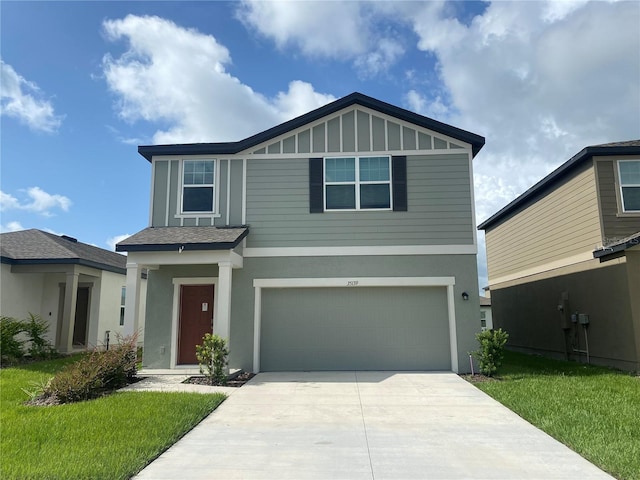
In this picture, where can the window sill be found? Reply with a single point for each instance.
(197, 215)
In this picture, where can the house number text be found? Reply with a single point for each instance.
(352, 283)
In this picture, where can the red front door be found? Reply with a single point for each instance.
(196, 319)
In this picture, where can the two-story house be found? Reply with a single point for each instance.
(564, 260)
(343, 239)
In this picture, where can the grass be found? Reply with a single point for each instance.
(111, 437)
(593, 410)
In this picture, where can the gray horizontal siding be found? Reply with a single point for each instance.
(439, 209)
(614, 225)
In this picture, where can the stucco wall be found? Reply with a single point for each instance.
(529, 313)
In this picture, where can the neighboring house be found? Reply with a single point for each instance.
(77, 288)
(571, 245)
(486, 320)
(340, 240)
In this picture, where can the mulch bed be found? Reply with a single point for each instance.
(235, 381)
(479, 378)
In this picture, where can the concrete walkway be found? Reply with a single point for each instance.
(366, 425)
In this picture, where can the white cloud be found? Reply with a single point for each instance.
(37, 201)
(316, 28)
(540, 80)
(177, 76)
(19, 99)
(11, 227)
(111, 242)
(343, 31)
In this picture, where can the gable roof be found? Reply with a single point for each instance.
(476, 141)
(630, 147)
(35, 247)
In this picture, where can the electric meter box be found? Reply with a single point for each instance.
(574, 318)
(583, 318)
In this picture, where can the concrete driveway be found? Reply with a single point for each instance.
(366, 425)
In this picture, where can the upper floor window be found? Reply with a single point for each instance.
(357, 183)
(629, 172)
(198, 185)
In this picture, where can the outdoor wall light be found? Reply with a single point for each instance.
(465, 296)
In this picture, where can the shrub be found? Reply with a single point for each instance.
(95, 373)
(491, 350)
(212, 357)
(11, 348)
(36, 330)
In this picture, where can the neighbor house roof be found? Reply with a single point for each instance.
(183, 238)
(485, 302)
(476, 141)
(35, 247)
(630, 147)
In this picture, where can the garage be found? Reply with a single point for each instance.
(362, 328)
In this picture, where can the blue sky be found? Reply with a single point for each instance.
(84, 83)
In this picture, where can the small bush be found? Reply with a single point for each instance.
(491, 350)
(11, 347)
(212, 357)
(36, 330)
(95, 373)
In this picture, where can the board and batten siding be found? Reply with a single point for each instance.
(563, 223)
(166, 195)
(439, 207)
(615, 226)
(356, 129)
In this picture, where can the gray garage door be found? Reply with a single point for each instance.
(372, 328)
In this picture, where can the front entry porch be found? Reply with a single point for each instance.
(189, 289)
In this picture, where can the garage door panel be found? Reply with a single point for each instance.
(373, 328)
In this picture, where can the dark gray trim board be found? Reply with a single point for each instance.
(63, 261)
(476, 141)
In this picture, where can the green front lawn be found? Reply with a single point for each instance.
(593, 410)
(111, 437)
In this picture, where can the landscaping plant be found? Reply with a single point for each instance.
(11, 347)
(491, 351)
(36, 329)
(95, 373)
(212, 357)
(14, 334)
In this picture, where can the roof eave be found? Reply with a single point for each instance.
(476, 141)
(555, 176)
(65, 261)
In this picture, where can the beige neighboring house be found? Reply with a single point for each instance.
(78, 288)
(564, 260)
(486, 320)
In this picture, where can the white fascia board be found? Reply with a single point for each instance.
(359, 251)
(354, 282)
(200, 257)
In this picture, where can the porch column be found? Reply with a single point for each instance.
(222, 323)
(132, 299)
(69, 312)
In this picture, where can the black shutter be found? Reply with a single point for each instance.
(316, 185)
(399, 172)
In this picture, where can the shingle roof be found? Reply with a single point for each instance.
(183, 238)
(476, 141)
(630, 147)
(33, 247)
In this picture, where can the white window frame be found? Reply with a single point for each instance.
(123, 301)
(216, 189)
(357, 183)
(620, 185)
